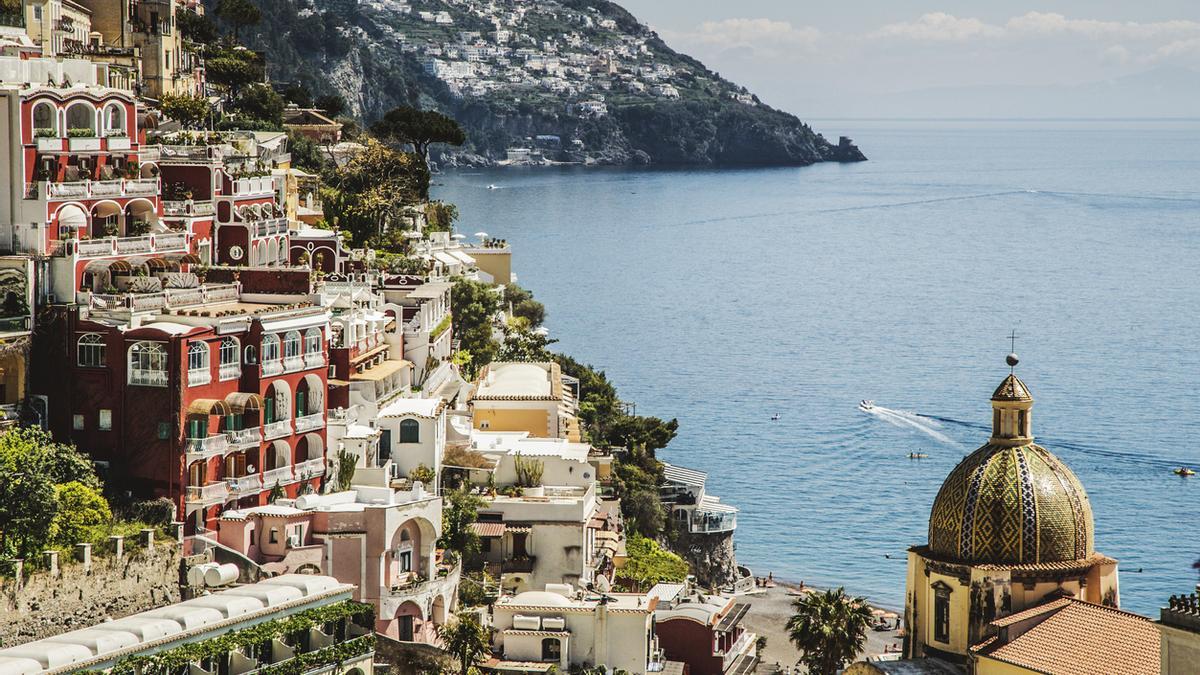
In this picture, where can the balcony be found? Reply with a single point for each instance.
(310, 422)
(310, 468)
(254, 187)
(314, 360)
(266, 228)
(280, 476)
(707, 523)
(83, 144)
(199, 376)
(246, 485)
(190, 154)
(199, 449)
(243, 438)
(277, 430)
(206, 495)
(188, 208)
(274, 367)
(151, 243)
(118, 143)
(89, 189)
(519, 565)
(146, 377)
(292, 364)
(229, 371)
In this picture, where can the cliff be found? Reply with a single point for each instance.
(571, 80)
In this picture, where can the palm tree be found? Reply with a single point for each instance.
(830, 629)
(465, 639)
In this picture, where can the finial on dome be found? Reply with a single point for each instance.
(1012, 360)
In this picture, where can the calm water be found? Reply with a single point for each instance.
(725, 297)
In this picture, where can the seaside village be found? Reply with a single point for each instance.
(336, 485)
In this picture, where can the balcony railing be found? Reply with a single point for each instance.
(524, 565)
(277, 429)
(245, 187)
(188, 208)
(736, 648)
(310, 468)
(172, 297)
(245, 485)
(85, 189)
(293, 363)
(190, 153)
(246, 437)
(310, 422)
(212, 493)
(281, 476)
(199, 376)
(713, 523)
(314, 360)
(147, 377)
(266, 228)
(203, 448)
(274, 367)
(229, 371)
(150, 243)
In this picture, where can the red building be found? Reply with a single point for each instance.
(704, 631)
(211, 401)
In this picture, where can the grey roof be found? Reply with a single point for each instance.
(678, 474)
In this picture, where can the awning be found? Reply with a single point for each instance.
(112, 265)
(240, 402)
(734, 617)
(381, 371)
(72, 216)
(462, 257)
(711, 504)
(488, 529)
(184, 258)
(208, 406)
(446, 259)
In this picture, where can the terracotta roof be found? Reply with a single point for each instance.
(1072, 637)
(488, 529)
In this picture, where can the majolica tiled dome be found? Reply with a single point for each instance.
(1011, 502)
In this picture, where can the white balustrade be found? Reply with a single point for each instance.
(310, 422)
(245, 437)
(206, 494)
(281, 475)
(277, 429)
(245, 485)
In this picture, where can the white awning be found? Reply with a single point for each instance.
(462, 257)
(713, 505)
(683, 476)
(446, 259)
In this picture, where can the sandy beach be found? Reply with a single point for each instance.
(770, 608)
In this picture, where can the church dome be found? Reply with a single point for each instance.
(1011, 502)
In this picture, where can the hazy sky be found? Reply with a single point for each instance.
(857, 57)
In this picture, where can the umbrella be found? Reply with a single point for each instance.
(481, 235)
(891, 615)
(878, 612)
(458, 236)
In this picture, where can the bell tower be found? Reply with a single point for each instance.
(1012, 410)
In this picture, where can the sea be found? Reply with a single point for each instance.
(760, 306)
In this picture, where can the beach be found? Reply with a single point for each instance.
(770, 608)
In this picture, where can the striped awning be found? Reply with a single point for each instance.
(682, 476)
(184, 258)
(240, 402)
(488, 529)
(208, 406)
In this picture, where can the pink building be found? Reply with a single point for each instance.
(381, 540)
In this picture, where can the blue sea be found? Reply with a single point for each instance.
(725, 297)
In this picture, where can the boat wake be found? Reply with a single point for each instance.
(909, 420)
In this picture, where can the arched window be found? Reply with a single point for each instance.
(114, 120)
(551, 649)
(148, 364)
(81, 120)
(941, 612)
(291, 350)
(410, 431)
(198, 368)
(270, 355)
(45, 120)
(230, 368)
(91, 353)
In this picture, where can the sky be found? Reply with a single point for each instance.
(969, 58)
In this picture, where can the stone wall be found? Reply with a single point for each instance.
(78, 594)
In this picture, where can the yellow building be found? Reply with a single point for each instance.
(531, 397)
(1011, 528)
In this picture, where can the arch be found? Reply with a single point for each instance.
(199, 364)
(81, 115)
(551, 649)
(140, 216)
(114, 120)
(310, 447)
(272, 252)
(292, 345)
(148, 170)
(410, 431)
(229, 358)
(148, 364)
(45, 119)
(438, 612)
(278, 402)
(271, 349)
(209, 406)
(106, 219)
(91, 351)
(72, 214)
(313, 400)
(278, 455)
(281, 255)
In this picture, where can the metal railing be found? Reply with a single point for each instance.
(190, 153)
(277, 429)
(272, 367)
(229, 371)
(310, 422)
(146, 377)
(188, 208)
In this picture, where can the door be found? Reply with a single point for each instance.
(406, 628)
(301, 401)
(268, 410)
(385, 446)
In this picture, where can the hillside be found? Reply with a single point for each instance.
(570, 80)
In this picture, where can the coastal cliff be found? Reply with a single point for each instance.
(566, 80)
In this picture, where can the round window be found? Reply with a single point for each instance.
(236, 252)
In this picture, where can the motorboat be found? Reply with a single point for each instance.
(1184, 471)
(775, 417)
(866, 404)
(917, 455)
(493, 186)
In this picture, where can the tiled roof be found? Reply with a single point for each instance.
(1076, 638)
(488, 529)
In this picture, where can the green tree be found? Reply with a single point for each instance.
(232, 69)
(82, 510)
(276, 493)
(347, 462)
(523, 306)
(418, 128)
(331, 104)
(297, 93)
(306, 154)
(190, 111)
(650, 433)
(238, 14)
(422, 474)
(197, 28)
(465, 639)
(829, 628)
(260, 102)
(650, 564)
(32, 464)
(460, 509)
(367, 194)
(524, 345)
(474, 306)
(643, 511)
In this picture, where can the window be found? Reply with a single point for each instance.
(485, 544)
(164, 431)
(148, 364)
(313, 353)
(81, 117)
(551, 649)
(291, 346)
(270, 355)
(941, 612)
(77, 422)
(228, 355)
(91, 352)
(105, 419)
(410, 431)
(274, 539)
(114, 120)
(45, 118)
(198, 370)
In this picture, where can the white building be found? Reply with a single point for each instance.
(413, 434)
